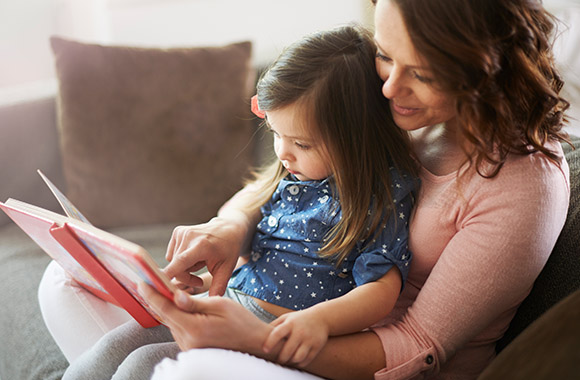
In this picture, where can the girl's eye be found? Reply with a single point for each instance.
(302, 146)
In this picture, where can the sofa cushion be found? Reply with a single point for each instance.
(548, 349)
(153, 135)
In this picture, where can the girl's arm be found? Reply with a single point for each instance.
(306, 331)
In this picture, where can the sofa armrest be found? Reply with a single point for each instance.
(29, 141)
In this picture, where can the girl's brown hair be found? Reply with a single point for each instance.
(332, 76)
(494, 57)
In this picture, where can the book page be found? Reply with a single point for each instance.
(66, 205)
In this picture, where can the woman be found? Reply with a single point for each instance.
(474, 82)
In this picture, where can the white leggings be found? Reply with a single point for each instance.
(77, 320)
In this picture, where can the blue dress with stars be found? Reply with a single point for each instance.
(284, 267)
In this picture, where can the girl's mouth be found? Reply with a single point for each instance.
(292, 171)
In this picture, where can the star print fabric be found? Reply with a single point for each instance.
(284, 266)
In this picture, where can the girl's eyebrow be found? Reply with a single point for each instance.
(298, 138)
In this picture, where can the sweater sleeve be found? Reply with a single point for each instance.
(503, 230)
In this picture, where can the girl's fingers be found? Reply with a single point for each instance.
(288, 350)
(276, 322)
(279, 333)
(301, 354)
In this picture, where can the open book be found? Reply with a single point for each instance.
(106, 265)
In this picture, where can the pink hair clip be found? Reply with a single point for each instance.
(256, 108)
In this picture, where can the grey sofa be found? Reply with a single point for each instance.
(32, 138)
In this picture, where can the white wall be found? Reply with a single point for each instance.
(271, 24)
(25, 26)
(26, 64)
(24, 51)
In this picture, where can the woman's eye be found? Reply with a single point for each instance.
(382, 57)
(421, 78)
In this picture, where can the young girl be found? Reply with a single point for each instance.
(332, 241)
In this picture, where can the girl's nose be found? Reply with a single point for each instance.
(283, 151)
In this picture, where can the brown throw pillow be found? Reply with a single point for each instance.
(153, 135)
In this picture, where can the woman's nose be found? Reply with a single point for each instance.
(394, 82)
(392, 85)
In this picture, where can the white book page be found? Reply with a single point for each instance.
(66, 205)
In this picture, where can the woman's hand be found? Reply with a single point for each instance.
(215, 244)
(303, 335)
(209, 322)
(222, 323)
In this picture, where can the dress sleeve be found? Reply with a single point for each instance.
(505, 232)
(390, 246)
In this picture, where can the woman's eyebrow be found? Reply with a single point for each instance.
(377, 45)
(413, 67)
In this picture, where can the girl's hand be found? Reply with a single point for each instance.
(305, 334)
(215, 244)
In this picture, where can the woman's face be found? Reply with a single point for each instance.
(408, 84)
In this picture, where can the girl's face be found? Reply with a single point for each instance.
(408, 84)
(300, 153)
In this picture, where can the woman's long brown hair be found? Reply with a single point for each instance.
(494, 57)
(332, 76)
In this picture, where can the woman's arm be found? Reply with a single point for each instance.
(303, 333)
(216, 244)
(488, 240)
(223, 323)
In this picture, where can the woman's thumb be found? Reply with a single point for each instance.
(184, 301)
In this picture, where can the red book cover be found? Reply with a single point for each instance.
(108, 266)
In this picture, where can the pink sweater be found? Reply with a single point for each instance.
(478, 247)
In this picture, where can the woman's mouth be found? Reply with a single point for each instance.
(403, 111)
